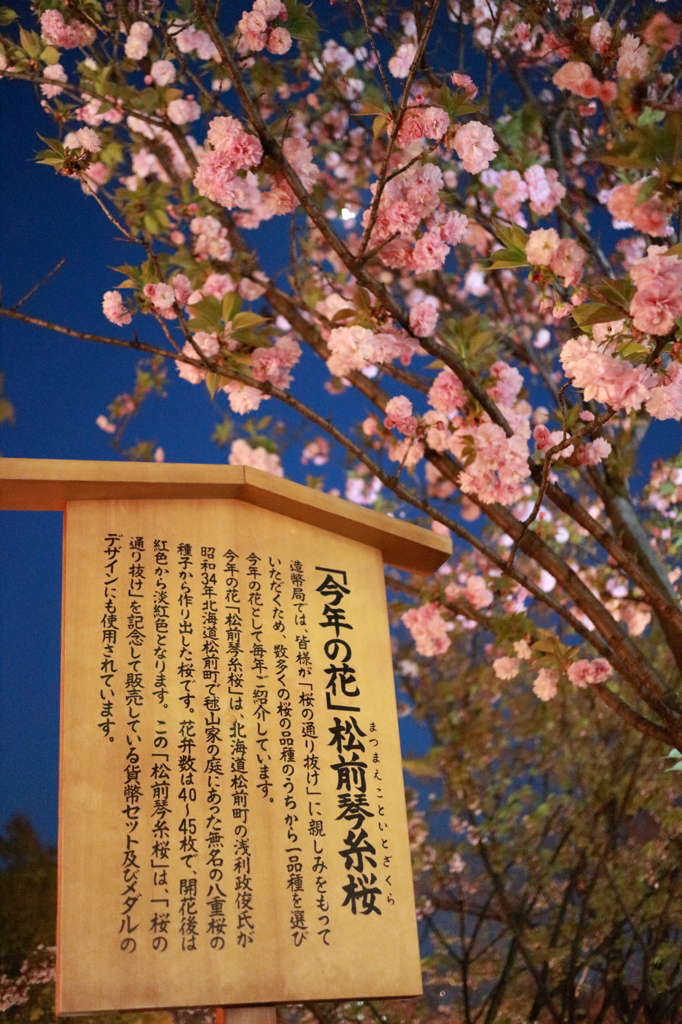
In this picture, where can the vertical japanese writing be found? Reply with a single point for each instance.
(287, 756)
(260, 692)
(382, 824)
(160, 612)
(160, 766)
(132, 788)
(160, 860)
(110, 627)
(187, 756)
(342, 693)
(239, 786)
(215, 836)
(311, 760)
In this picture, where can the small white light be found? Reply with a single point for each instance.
(347, 214)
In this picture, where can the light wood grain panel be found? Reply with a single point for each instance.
(333, 813)
(49, 483)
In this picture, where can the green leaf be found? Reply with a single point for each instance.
(650, 116)
(231, 304)
(50, 55)
(151, 224)
(30, 42)
(7, 16)
(589, 313)
(301, 24)
(503, 258)
(673, 753)
(247, 319)
(633, 348)
(213, 382)
(379, 126)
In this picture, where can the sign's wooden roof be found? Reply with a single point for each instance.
(44, 484)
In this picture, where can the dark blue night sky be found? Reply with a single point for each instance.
(59, 386)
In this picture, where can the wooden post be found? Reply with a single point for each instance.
(245, 1015)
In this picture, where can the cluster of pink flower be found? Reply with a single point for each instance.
(139, 38)
(69, 34)
(563, 256)
(316, 451)
(422, 122)
(584, 673)
(428, 628)
(39, 969)
(577, 78)
(657, 303)
(233, 150)
(114, 310)
(649, 217)
(257, 35)
(242, 454)
(475, 145)
(210, 239)
(604, 377)
(357, 348)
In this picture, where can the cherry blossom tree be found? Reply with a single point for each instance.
(483, 204)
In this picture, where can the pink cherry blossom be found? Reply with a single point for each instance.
(601, 35)
(567, 261)
(508, 383)
(253, 26)
(545, 191)
(657, 303)
(545, 685)
(352, 348)
(583, 672)
(506, 668)
(278, 40)
(541, 246)
(499, 467)
(428, 628)
(662, 33)
(270, 9)
(106, 425)
(182, 111)
(577, 78)
(464, 82)
(208, 345)
(240, 149)
(299, 155)
(665, 400)
(243, 398)
(137, 43)
(56, 73)
(633, 58)
(475, 145)
(430, 252)
(162, 72)
(454, 227)
(273, 364)
(423, 319)
(83, 138)
(400, 63)
(422, 122)
(447, 395)
(316, 451)
(242, 454)
(591, 453)
(399, 415)
(477, 592)
(114, 310)
(68, 35)
(511, 192)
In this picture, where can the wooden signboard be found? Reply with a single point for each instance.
(232, 816)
